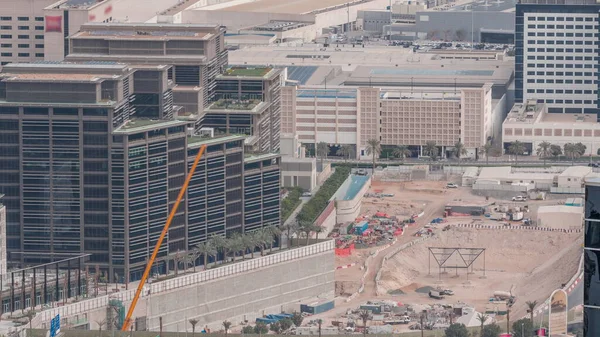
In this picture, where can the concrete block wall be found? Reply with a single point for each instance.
(244, 296)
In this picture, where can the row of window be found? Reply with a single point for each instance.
(21, 27)
(560, 34)
(578, 27)
(558, 50)
(559, 65)
(22, 37)
(561, 91)
(561, 18)
(20, 45)
(22, 18)
(21, 54)
(561, 58)
(570, 42)
(560, 101)
(560, 81)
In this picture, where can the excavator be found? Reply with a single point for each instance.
(127, 321)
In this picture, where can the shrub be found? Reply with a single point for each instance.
(313, 208)
(289, 204)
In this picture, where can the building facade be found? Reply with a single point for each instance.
(354, 116)
(531, 124)
(82, 174)
(556, 54)
(591, 291)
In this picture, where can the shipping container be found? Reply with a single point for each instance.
(361, 227)
(375, 309)
(317, 308)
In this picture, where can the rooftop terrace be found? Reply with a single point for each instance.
(197, 141)
(233, 105)
(143, 124)
(247, 71)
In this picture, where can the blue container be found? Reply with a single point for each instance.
(316, 309)
(361, 227)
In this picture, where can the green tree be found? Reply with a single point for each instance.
(555, 151)
(516, 148)
(530, 309)
(297, 318)
(482, 318)
(373, 149)
(322, 151)
(290, 229)
(580, 148)
(260, 240)
(346, 151)
(286, 323)
(486, 151)
(491, 330)
(431, 150)
(307, 228)
(401, 151)
(275, 327)
(219, 243)
(191, 258)
(236, 245)
(459, 150)
(317, 230)
(571, 150)
(273, 232)
(365, 316)
(544, 151)
(457, 330)
(193, 322)
(248, 330)
(248, 243)
(522, 327)
(226, 326)
(261, 328)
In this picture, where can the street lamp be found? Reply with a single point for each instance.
(522, 331)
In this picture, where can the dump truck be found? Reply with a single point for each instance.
(436, 295)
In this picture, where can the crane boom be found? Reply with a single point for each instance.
(127, 321)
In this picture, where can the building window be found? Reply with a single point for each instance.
(39, 54)
(39, 46)
(5, 36)
(23, 54)
(23, 45)
(39, 37)
(23, 18)
(6, 45)
(39, 27)
(5, 18)
(24, 37)
(5, 27)
(23, 27)
(6, 54)
(39, 18)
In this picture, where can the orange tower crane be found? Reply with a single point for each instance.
(127, 321)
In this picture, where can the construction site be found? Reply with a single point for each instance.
(459, 253)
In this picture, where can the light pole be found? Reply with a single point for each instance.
(522, 330)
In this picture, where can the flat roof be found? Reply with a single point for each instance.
(92, 78)
(137, 125)
(576, 171)
(247, 71)
(154, 35)
(560, 209)
(589, 118)
(278, 6)
(250, 157)
(197, 141)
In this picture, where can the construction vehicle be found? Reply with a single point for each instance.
(436, 295)
(127, 321)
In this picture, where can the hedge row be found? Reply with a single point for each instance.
(315, 206)
(289, 204)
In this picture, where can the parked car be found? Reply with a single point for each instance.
(451, 185)
(361, 172)
(447, 292)
(307, 194)
(519, 198)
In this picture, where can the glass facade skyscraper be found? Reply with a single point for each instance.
(591, 295)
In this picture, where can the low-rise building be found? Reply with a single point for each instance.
(296, 169)
(560, 217)
(531, 124)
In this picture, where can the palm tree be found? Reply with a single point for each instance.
(459, 150)
(100, 324)
(206, 249)
(486, 150)
(236, 245)
(572, 151)
(530, 308)
(346, 151)
(322, 151)
(249, 244)
(226, 325)
(276, 232)
(192, 257)
(373, 149)
(401, 151)
(290, 229)
(218, 242)
(516, 148)
(30, 315)
(544, 151)
(482, 318)
(364, 316)
(307, 228)
(259, 241)
(317, 230)
(271, 231)
(430, 149)
(193, 322)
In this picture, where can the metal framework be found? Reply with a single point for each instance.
(127, 321)
(51, 277)
(464, 258)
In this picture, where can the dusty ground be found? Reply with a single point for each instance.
(515, 260)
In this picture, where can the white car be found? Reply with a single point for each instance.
(519, 198)
(451, 185)
(307, 194)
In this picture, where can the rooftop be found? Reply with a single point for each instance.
(197, 141)
(249, 157)
(56, 77)
(278, 6)
(560, 209)
(527, 112)
(233, 105)
(78, 4)
(247, 71)
(143, 124)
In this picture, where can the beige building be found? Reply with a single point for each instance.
(353, 116)
(531, 124)
(22, 30)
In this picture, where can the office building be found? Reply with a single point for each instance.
(340, 116)
(83, 174)
(556, 54)
(195, 52)
(531, 124)
(247, 101)
(3, 264)
(22, 30)
(591, 291)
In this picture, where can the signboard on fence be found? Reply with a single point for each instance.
(558, 314)
(55, 326)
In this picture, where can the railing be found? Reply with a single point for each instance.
(187, 280)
